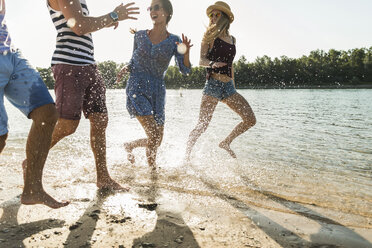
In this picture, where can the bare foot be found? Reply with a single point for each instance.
(130, 155)
(111, 185)
(226, 147)
(41, 197)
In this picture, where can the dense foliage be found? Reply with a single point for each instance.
(330, 69)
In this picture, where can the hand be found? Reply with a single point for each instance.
(124, 12)
(218, 64)
(115, 25)
(122, 73)
(187, 42)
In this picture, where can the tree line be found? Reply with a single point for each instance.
(352, 68)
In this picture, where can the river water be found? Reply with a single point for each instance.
(311, 149)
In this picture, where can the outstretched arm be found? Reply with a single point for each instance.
(203, 55)
(81, 24)
(232, 74)
(2, 7)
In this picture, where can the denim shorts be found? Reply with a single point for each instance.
(22, 86)
(219, 89)
(78, 89)
(146, 96)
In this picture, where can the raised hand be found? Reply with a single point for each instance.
(218, 64)
(187, 42)
(125, 11)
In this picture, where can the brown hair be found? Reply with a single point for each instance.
(167, 6)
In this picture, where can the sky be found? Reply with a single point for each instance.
(262, 27)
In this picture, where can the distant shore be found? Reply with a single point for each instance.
(320, 86)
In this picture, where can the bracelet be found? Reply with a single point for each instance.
(211, 63)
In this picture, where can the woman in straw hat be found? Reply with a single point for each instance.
(217, 54)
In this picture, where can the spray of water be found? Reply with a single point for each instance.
(71, 22)
(181, 48)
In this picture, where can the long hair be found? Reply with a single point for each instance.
(167, 6)
(214, 30)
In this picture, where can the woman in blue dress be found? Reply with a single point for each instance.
(152, 52)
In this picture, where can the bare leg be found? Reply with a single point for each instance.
(3, 142)
(129, 146)
(207, 107)
(63, 128)
(239, 105)
(154, 133)
(98, 125)
(37, 148)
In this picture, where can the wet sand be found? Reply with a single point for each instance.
(160, 211)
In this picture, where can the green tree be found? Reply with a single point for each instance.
(47, 76)
(109, 70)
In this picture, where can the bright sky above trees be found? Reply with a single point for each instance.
(261, 27)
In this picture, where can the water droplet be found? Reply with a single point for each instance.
(181, 48)
(71, 22)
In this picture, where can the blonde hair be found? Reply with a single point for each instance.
(214, 30)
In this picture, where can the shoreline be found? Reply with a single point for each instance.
(301, 87)
(345, 86)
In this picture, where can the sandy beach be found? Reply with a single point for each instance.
(159, 213)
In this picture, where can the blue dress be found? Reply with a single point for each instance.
(148, 65)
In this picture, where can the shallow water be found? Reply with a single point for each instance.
(310, 151)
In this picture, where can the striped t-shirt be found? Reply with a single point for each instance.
(5, 41)
(71, 48)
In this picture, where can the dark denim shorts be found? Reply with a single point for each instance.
(218, 89)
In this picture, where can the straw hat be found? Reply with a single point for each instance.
(223, 7)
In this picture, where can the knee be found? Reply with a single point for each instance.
(46, 115)
(51, 117)
(155, 140)
(100, 121)
(3, 142)
(202, 127)
(250, 120)
(253, 121)
(67, 130)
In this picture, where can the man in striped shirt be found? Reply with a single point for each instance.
(24, 88)
(79, 86)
